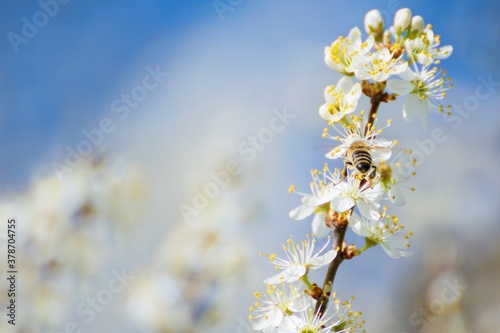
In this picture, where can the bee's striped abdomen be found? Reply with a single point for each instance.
(362, 159)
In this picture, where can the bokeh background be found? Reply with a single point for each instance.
(103, 245)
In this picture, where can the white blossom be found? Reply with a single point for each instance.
(425, 48)
(356, 132)
(424, 87)
(338, 317)
(378, 66)
(350, 193)
(308, 321)
(341, 100)
(339, 55)
(276, 307)
(402, 20)
(417, 25)
(384, 231)
(300, 258)
(374, 23)
(317, 202)
(394, 174)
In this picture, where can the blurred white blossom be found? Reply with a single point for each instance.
(65, 232)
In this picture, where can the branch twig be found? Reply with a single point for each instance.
(338, 240)
(339, 226)
(375, 103)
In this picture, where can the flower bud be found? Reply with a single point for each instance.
(402, 20)
(374, 23)
(350, 252)
(417, 26)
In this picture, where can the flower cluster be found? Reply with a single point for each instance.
(408, 49)
(190, 282)
(401, 60)
(283, 308)
(66, 233)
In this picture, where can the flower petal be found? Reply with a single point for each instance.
(342, 203)
(396, 196)
(318, 200)
(319, 227)
(301, 212)
(444, 52)
(345, 84)
(272, 318)
(412, 107)
(290, 274)
(369, 209)
(394, 250)
(323, 260)
(400, 87)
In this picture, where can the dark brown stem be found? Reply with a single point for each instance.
(340, 227)
(375, 103)
(338, 240)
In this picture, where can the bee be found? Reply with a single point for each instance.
(359, 157)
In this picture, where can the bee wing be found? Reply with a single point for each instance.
(336, 152)
(381, 154)
(381, 149)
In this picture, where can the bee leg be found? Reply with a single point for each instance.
(372, 175)
(344, 171)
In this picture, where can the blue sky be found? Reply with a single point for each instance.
(225, 76)
(60, 79)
